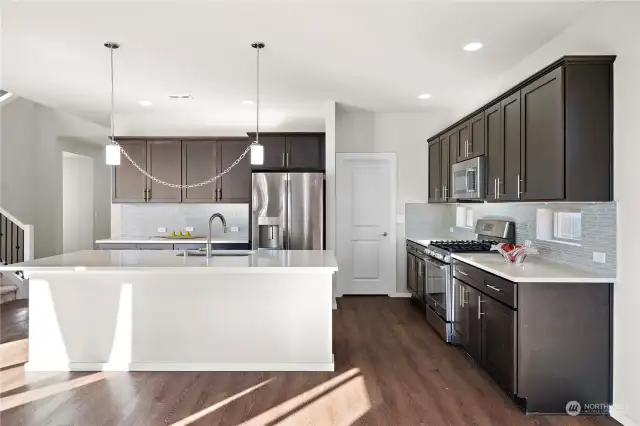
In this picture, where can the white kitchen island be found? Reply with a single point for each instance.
(156, 311)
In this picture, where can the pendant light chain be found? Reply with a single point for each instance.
(155, 179)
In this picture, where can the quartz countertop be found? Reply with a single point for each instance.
(534, 269)
(426, 242)
(261, 261)
(164, 240)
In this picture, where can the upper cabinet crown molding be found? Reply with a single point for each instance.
(549, 138)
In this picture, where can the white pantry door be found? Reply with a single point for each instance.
(365, 223)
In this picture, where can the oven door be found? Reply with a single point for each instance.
(437, 292)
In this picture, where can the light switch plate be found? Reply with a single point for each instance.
(162, 230)
(189, 229)
(235, 229)
(599, 257)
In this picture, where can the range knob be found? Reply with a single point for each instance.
(447, 259)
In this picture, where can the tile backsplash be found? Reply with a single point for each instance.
(598, 228)
(145, 219)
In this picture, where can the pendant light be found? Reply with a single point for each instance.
(257, 150)
(113, 149)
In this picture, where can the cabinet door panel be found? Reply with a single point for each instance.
(474, 333)
(498, 342)
(510, 117)
(305, 152)
(434, 171)
(462, 137)
(411, 273)
(495, 152)
(275, 149)
(234, 186)
(129, 185)
(445, 165)
(477, 134)
(199, 164)
(461, 313)
(542, 171)
(164, 161)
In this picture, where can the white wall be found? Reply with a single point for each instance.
(404, 133)
(611, 29)
(32, 140)
(77, 203)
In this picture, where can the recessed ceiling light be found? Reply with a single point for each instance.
(473, 46)
(248, 102)
(424, 96)
(184, 96)
(145, 103)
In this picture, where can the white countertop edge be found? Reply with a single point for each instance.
(585, 279)
(210, 270)
(198, 240)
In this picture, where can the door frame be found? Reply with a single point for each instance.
(392, 159)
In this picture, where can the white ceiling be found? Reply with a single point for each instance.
(370, 55)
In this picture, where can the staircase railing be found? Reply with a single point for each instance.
(16, 239)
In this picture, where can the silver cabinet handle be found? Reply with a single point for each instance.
(442, 197)
(498, 188)
(466, 148)
(446, 191)
(463, 273)
(284, 159)
(480, 313)
(519, 187)
(494, 288)
(495, 189)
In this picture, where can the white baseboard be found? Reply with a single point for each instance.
(620, 418)
(177, 366)
(400, 294)
(335, 304)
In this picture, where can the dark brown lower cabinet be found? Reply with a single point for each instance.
(544, 343)
(498, 327)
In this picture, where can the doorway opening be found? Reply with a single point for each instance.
(77, 202)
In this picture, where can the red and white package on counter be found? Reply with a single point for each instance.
(514, 254)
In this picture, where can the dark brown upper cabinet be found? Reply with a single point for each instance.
(462, 138)
(128, 184)
(494, 150)
(510, 119)
(199, 163)
(445, 165)
(164, 161)
(476, 144)
(434, 172)
(305, 152)
(550, 138)
(234, 186)
(291, 151)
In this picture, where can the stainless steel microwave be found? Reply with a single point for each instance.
(468, 179)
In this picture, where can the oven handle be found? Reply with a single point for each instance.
(433, 263)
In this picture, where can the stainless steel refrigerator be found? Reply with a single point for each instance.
(287, 211)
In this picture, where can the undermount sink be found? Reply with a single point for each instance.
(216, 253)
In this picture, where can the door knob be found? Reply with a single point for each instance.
(384, 234)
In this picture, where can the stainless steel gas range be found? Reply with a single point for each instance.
(429, 271)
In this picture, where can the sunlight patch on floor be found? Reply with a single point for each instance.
(337, 402)
(26, 397)
(200, 414)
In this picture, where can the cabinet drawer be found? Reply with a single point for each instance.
(500, 289)
(470, 275)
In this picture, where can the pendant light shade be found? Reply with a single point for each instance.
(113, 155)
(257, 154)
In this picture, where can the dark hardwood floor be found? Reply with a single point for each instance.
(391, 370)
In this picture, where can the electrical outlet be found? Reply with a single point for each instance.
(599, 257)
(528, 243)
(162, 230)
(189, 229)
(235, 229)
(451, 229)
